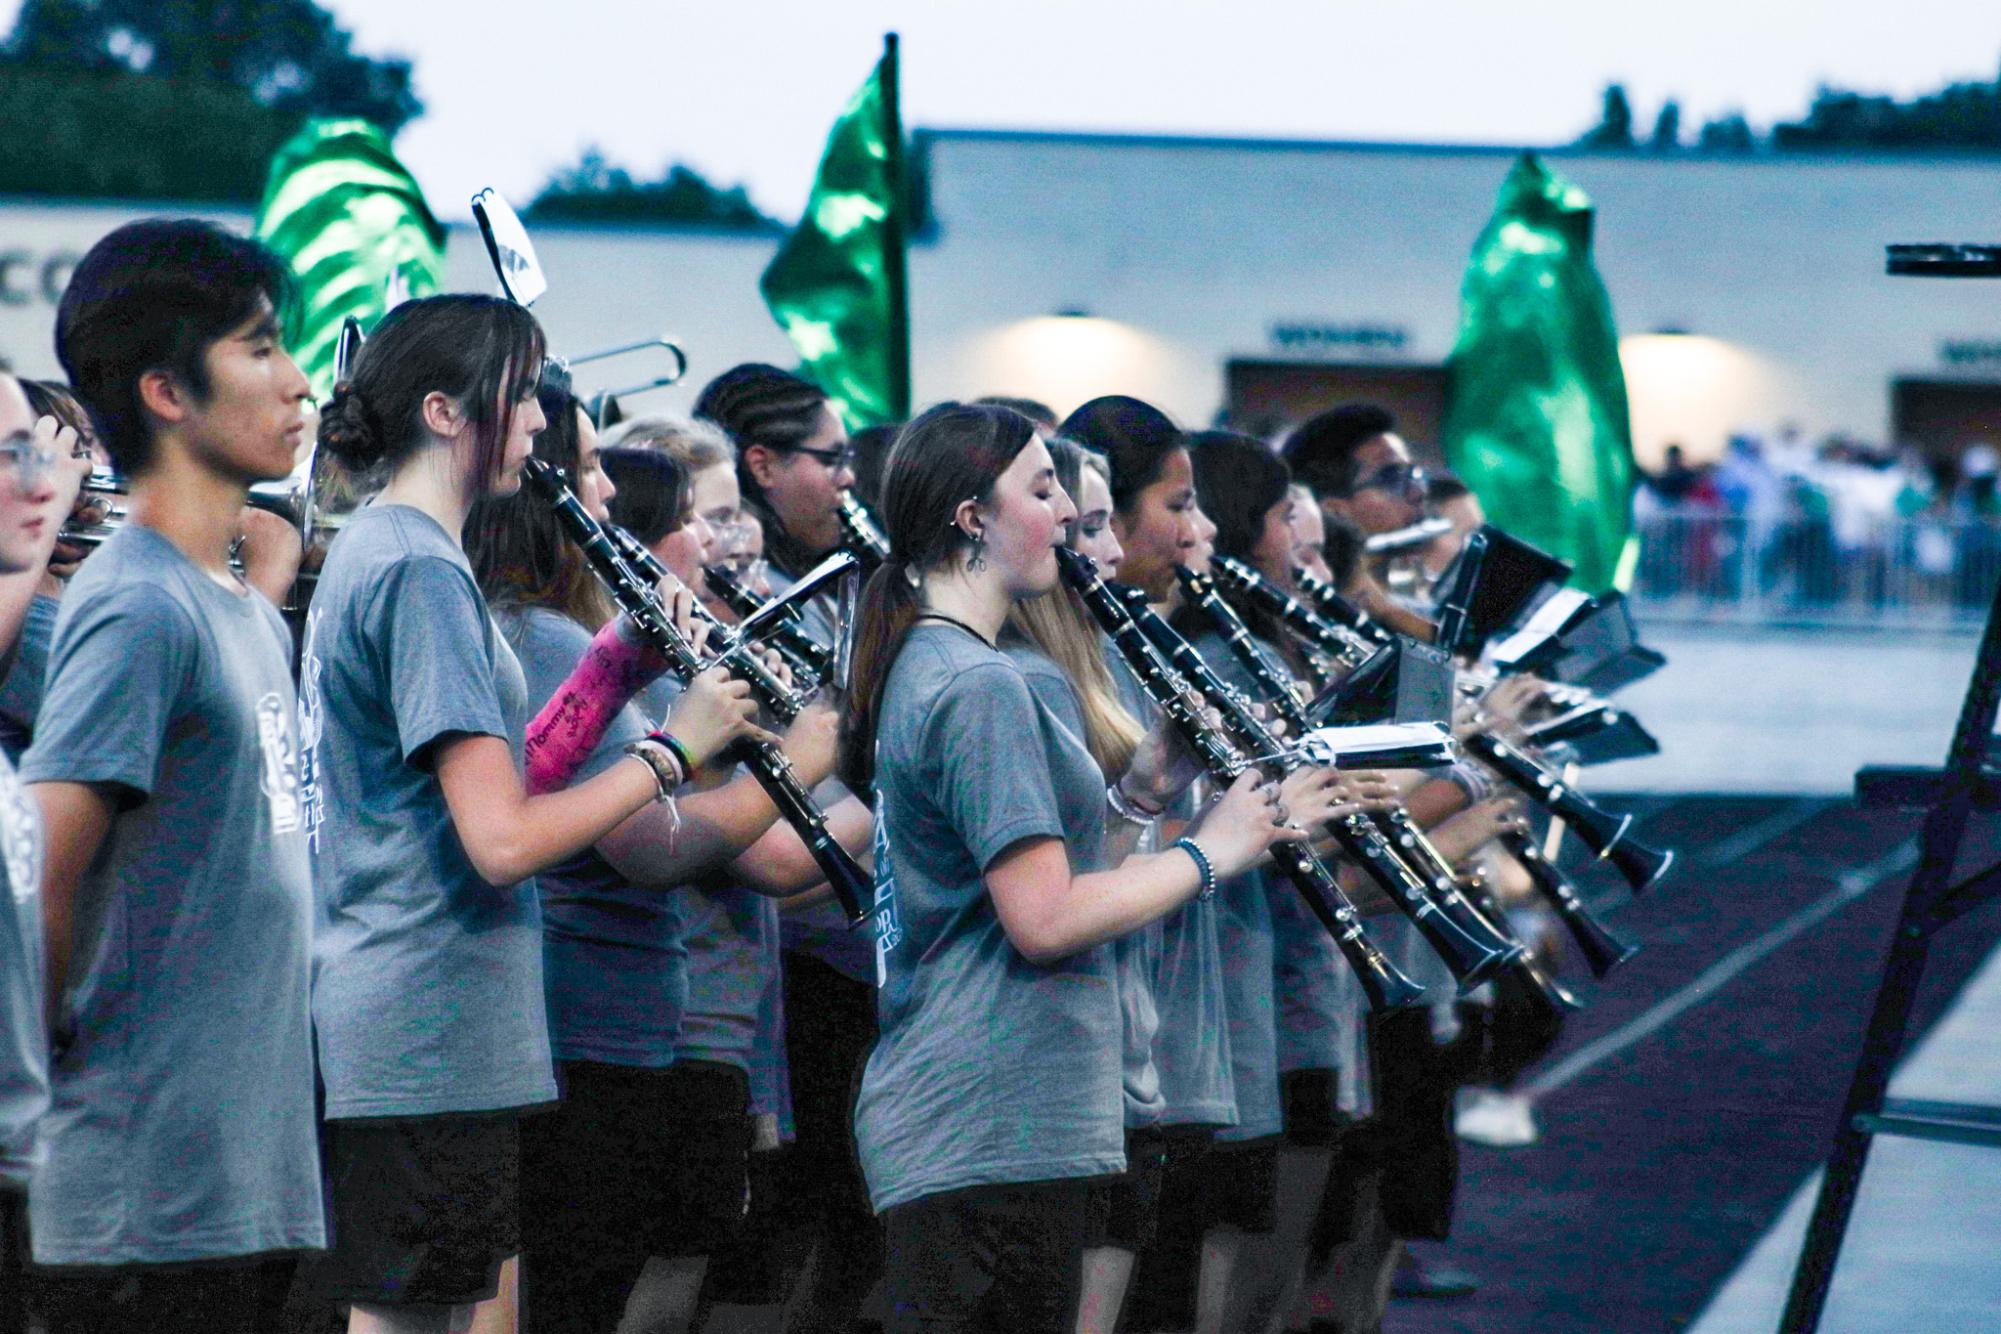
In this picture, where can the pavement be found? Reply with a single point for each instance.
(1686, 1111)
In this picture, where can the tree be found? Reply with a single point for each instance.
(1667, 128)
(1728, 133)
(1614, 129)
(596, 190)
(1960, 115)
(288, 55)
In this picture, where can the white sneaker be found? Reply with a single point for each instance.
(1496, 1119)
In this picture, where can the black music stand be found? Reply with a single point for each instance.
(1970, 781)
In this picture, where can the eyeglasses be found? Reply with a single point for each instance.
(1396, 478)
(29, 464)
(833, 460)
(732, 537)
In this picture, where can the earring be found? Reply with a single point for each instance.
(978, 561)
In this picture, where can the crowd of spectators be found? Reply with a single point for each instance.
(1786, 520)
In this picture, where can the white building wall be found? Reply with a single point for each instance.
(1186, 253)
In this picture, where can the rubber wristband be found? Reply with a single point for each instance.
(679, 751)
(1202, 865)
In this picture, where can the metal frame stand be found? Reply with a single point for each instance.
(1969, 781)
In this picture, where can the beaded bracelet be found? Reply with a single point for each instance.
(661, 764)
(1202, 865)
(680, 752)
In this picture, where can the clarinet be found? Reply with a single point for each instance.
(1331, 605)
(1460, 935)
(1603, 831)
(1342, 645)
(1386, 987)
(1529, 970)
(806, 654)
(851, 884)
(783, 702)
(1602, 950)
(860, 535)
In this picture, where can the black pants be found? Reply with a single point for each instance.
(633, 1163)
(1008, 1259)
(1411, 1135)
(13, 1260)
(231, 1297)
(829, 1028)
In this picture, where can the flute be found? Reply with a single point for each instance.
(1385, 986)
(852, 885)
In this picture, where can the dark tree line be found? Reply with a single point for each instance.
(595, 190)
(1964, 116)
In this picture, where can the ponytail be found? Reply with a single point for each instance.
(951, 453)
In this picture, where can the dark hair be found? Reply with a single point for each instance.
(1136, 438)
(763, 405)
(1034, 409)
(1239, 479)
(483, 351)
(1322, 448)
(948, 454)
(1343, 549)
(47, 398)
(518, 550)
(652, 491)
(156, 296)
(871, 445)
(1440, 487)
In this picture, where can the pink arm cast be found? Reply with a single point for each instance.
(613, 669)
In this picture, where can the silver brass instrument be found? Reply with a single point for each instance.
(601, 404)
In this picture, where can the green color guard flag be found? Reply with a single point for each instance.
(355, 229)
(837, 286)
(1536, 420)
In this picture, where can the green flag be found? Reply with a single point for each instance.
(1536, 419)
(837, 285)
(354, 227)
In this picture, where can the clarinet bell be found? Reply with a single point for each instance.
(1643, 867)
(1603, 831)
(1547, 986)
(1385, 985)
(1602, 950)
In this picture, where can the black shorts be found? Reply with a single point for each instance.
(634, 1162)
(235, 1296)
(1313, 1116)
(424, 1209)
(1001, 1257)
(1125, 1209)
(1235, 1184)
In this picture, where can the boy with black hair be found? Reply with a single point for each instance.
(183, 1169)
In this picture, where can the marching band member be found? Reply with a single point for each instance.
(428, 989)
(167, 765)
(992, 1098)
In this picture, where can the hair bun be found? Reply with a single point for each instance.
(351, 431)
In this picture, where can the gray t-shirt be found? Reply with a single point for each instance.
(1134, 954)
(27, 675)
(24, 1036)
(427, 981)
(1191, 1046)
(732, 962)
(989, 1068)
(614, 965)
(1245, 933)
(181, 1123)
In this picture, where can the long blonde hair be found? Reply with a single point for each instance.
(1057, 624)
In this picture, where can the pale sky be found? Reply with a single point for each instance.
(746, 91)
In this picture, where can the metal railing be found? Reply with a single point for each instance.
(1907, 572)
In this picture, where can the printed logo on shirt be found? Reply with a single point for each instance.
(281, 765)
(888, 926)
(312, 807)
(20, 836)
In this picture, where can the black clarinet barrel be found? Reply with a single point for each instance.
(1602, 950)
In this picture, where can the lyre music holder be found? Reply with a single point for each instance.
(1969, 781)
